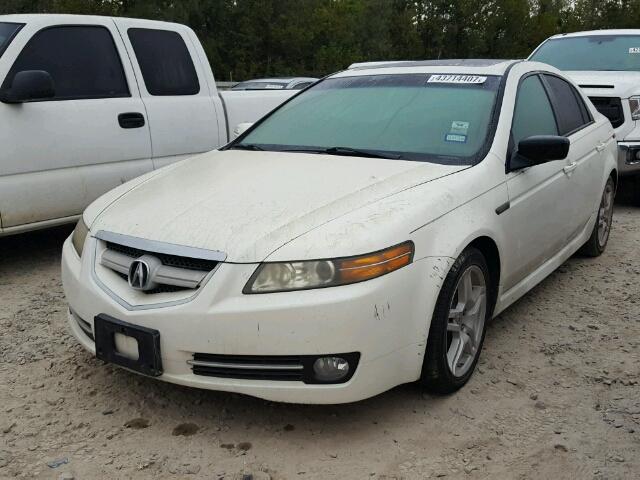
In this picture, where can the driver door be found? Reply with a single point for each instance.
(538, 219)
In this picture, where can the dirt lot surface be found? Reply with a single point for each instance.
(556, 395)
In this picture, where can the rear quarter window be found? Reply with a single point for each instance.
(165, 62)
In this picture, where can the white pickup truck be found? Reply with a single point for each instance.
(88, 103)
(606, 65)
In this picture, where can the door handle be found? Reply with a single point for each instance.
(131, 120)
(570, 168)
(601, 146)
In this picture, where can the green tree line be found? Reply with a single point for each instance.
(256, 38)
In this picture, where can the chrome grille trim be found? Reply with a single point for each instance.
(244, 366)
(153, 246)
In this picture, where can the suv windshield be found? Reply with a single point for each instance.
(7, 31)
(439, 118)
(597, 52)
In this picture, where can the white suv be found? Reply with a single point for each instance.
(606, 65)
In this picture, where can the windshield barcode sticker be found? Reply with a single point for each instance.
(454, 138)
(634, 50)
(472, 79)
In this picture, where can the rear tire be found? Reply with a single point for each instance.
(599, 238)
(458, 325)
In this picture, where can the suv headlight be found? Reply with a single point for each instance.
(634, 105)
(79, 236)
(289, 276)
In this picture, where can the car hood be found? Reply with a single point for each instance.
(248, 204)
(607, 84)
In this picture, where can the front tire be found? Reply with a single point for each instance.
(599, 238)
(458, 325)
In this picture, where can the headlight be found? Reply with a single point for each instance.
(288, 276)
(79, 236)
(634, 105)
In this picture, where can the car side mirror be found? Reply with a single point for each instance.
(539, 149)
(241, 128)
(29, 85)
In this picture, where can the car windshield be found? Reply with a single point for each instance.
(596, 52)
(7, 31)
(439, 118)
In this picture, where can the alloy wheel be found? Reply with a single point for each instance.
(466, 320)
(605, 214)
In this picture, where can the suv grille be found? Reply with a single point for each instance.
(610, 107)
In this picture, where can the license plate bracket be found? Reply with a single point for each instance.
(148, 362)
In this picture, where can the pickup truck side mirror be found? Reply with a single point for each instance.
(539, 149)
(29, 85)
(241, 128)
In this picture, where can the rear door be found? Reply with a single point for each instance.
(60, 154)
(585, 167)
(541, 209)
(176, 89)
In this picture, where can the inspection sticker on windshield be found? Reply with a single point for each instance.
(634, 50)
(459, 128)
(472, 79)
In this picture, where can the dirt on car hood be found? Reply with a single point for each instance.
(247, 204)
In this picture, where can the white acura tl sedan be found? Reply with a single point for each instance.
(358, 237)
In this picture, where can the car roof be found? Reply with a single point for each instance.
(591, 33)
(455, 66)
(65, 18)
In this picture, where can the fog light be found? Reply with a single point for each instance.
(330, 369)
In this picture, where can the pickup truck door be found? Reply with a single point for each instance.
(185, 112)
(59, 154)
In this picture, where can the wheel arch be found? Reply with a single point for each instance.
(489, 249)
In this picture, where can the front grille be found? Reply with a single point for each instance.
(165, 272)
(295, 368)
(610, 107)
(168, 260)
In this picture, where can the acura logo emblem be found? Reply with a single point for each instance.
(139, 275)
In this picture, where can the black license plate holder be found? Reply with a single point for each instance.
(148, 362)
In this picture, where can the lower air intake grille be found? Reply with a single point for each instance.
(610, 107)
(295, 368)
(248, 367)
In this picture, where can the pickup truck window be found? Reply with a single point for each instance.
(422, 117)
(82, 60)
(594, 52)
(165, 62)
(7, 32)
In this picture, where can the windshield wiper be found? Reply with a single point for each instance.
(346, 151)
(247, 146)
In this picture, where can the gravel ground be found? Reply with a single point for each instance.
(556, 395)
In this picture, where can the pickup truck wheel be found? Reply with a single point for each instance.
(458, 325)
(597, 243)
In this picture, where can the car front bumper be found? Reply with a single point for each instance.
(385, 320)
(628, 164)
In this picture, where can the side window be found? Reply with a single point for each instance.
(533, 113)
(82, 60)
(572, 112)
(165, 62)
